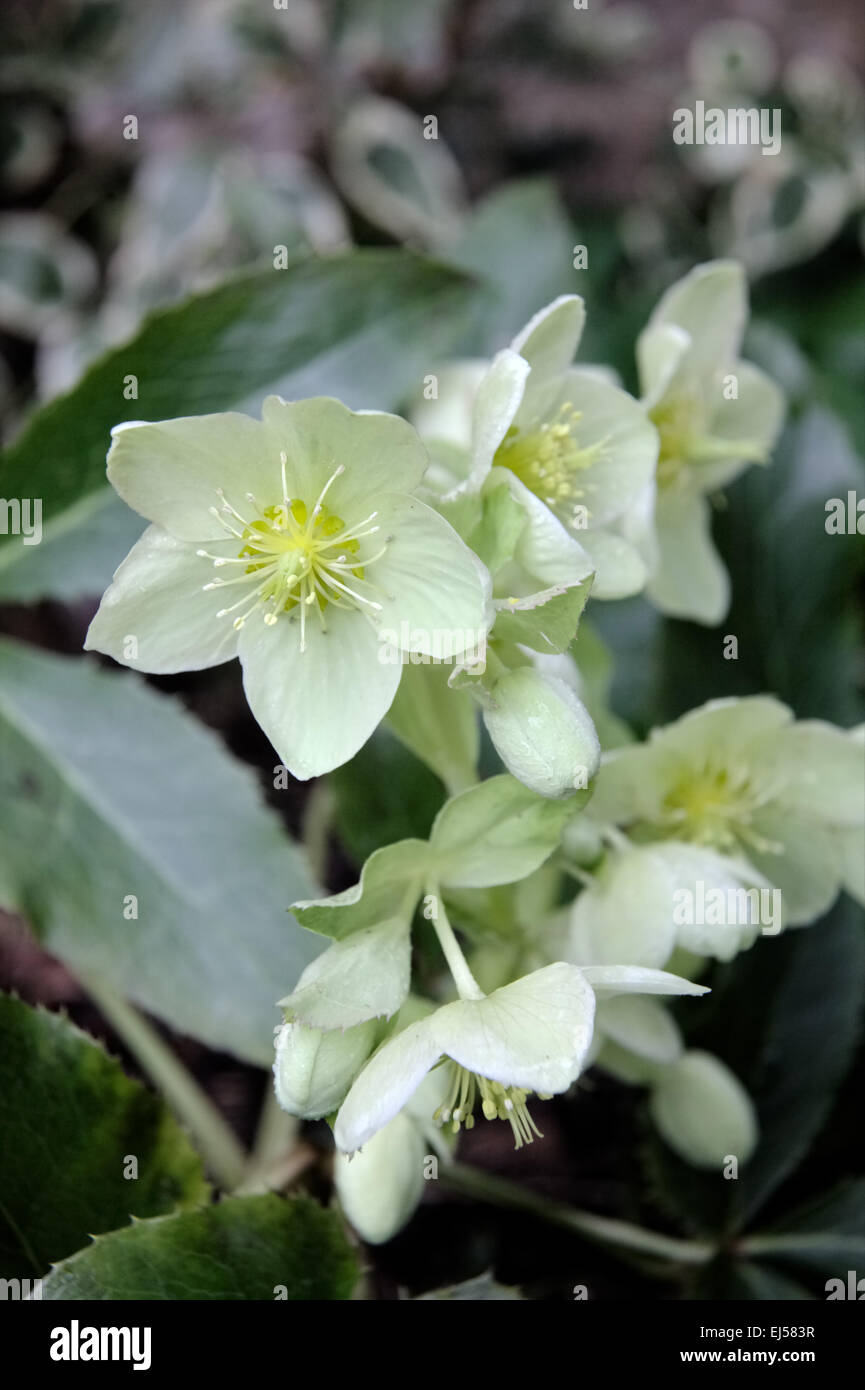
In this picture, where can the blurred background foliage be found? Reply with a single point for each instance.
(300, 127)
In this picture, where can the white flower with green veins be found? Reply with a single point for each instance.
(573, 452)
(295, 544)
(739, 777)
(529, 1037)
(715, 415)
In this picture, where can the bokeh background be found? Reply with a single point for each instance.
(303, 127)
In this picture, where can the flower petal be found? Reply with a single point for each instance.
(609, 980)
(387, 1081)
(754, 416)
(711, 304)
(626, 440)
(534, 1033)
(640, 1025)
(550, 339)
(448, 417)
(435, 595)
(379, 452)
(620, 569)
(821, 769)
(317, 706)
(691, 580)
(661, 349)
(807, 870)
(545, 549)
(157, 596)
(497, 402)
(627, 913)
(170, 470)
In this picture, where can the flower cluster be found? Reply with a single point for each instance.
(434, 574)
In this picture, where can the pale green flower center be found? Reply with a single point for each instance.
(680, 422)
(715, 806)
(549, 460)
(294, 559)
(498, 1102)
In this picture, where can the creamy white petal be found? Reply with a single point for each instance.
(156, 615)
(170, 470)
(317, 706)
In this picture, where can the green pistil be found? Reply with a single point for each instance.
(679, 422)
(714, 808)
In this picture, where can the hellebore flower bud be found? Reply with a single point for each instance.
(703, 1111)
(314, 1069)
(542, 732)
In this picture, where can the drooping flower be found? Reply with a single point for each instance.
(292, 542)
(740, 778)
(715, 415)
(380, 1186)
(529, 1037)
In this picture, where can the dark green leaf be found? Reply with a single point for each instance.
(813, 1023)
(84, 1147)
(827, 1235)
(261, 1248)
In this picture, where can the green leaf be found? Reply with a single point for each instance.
(828, 1235)
(361, 326)
(814, 1022)
(546, 621)
(246, 1248)
(72, 1122)
(438, 724)
(743, 1280)
(134, 806)
(497, 832)
(389, 887)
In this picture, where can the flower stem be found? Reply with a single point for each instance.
(486, 1187)
(275, 1140)
(467, 985)
(221, 1150)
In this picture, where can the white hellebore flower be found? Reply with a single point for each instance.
(292, 543)
(530, 1036)
(714, 414)
(575, 452)
(739, 777)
